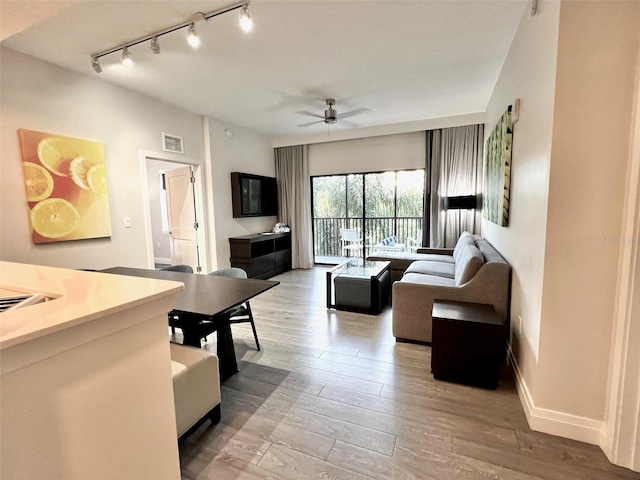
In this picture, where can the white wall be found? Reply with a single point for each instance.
(373, 154)
(589, 164)
(573, 67)
(39, 96)
(528, 73)
(248, 152)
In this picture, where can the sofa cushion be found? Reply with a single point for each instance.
(432, 268)
(401, 260)
(427, 279)
(465, 240)
(469, 263)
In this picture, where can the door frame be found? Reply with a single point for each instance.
(620, 438)
(200, 194)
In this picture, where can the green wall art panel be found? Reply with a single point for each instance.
(497, 172)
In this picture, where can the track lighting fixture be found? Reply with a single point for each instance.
(126, 57)
(155, 46)
(246, 23)
(192, 36)
(95, 63)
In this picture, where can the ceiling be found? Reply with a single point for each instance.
(403, 61)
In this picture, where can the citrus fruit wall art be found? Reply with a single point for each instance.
(66, 187)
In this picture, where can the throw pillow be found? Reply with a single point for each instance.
(389, 240)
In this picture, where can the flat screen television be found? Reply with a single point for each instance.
(253, 195)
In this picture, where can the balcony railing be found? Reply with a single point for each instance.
(326, 232)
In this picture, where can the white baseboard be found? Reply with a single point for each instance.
(553, 422)
(166, 261)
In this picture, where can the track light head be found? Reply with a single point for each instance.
(246, 23)
(126, 57)
(155, 46)
(95, 63)
(192, 36)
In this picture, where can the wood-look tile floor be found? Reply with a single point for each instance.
(333, 396)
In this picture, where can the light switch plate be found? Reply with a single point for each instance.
(127, 222)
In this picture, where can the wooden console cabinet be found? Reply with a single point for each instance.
(261, 255)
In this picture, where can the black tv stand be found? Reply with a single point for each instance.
(261, 255)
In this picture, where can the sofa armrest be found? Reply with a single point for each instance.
(438, 251)
(413, 302)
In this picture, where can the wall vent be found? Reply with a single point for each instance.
(172, 143)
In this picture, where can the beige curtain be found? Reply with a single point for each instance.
(454, 160)
(294, 201)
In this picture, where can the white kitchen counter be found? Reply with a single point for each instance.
(86, 387)
(78, 297)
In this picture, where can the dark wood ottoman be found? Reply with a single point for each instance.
(359, 286)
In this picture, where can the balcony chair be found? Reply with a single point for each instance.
(413, 244)
(350, 242)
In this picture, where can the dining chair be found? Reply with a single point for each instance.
(350, 241)
(241, 313)
(176, 268)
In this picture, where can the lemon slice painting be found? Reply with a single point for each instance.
(38, 181)
(78, 168)
(56, 155)
(66, 187)
(54, 218)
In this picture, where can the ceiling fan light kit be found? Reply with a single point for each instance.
(330, 115)
(246, 24)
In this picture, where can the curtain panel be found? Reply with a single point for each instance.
(454, 166)
(294, 201)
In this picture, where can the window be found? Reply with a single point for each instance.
(378, 204)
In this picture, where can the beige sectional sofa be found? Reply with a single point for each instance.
(473, 272)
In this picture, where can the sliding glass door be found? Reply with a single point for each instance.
(377, 204)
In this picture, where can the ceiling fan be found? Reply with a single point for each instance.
(331, 115)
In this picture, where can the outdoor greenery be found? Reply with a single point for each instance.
(393, 205)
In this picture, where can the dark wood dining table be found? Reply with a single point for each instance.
(204, 307)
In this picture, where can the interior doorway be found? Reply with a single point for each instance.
(175, 232)
(178, 186)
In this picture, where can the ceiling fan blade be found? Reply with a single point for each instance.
(351, 113)
(348, 123)
(311, 123)
(310, 114)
